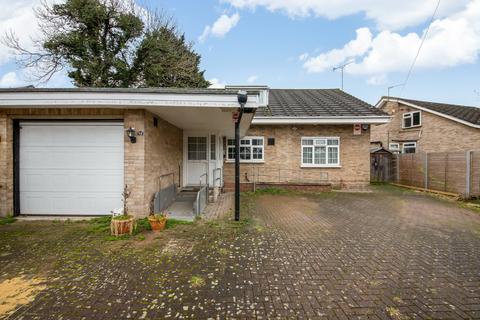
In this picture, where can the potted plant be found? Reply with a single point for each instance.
(157, 221)
(122, 222)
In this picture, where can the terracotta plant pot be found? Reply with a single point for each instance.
(157, 224)
(122, 226)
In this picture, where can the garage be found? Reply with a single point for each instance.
(70, 167)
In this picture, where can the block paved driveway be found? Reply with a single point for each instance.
(389, 254)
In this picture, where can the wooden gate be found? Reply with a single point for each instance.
(381, 166)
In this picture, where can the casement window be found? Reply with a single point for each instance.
(251, 149)
(412, 119)
(409, 147)
(320, 151)
(394, 147)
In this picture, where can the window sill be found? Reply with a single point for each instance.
(321, 166)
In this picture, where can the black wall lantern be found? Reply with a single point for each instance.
(132, 135)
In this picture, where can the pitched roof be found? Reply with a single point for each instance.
(315, 103)
(466, 113)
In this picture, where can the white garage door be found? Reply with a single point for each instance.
(71, 168)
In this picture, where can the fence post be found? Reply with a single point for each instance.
(446, 171)
(468, 173)
(425, 168)
(398, 167)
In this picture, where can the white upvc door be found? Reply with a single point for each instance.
(202, 154)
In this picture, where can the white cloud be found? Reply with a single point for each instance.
(216, 84)
(356, 47)
(393, 15)
(252, 79)
(220, 27)
(451, 41)
(303, 56)
(377, 80)
(10, 80)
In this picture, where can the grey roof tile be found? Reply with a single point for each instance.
(315, 103)
(466, 113)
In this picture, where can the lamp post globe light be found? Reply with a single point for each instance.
(242, 98)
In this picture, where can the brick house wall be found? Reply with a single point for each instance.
(141, 160)
(164, 154)
(286, 154)
(437, 134)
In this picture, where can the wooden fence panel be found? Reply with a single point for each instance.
(412, 169)
(437, 171)
(456, 172)
(441, 171)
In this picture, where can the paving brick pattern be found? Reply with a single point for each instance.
(221, 208)
(381, 255)
(362, 256)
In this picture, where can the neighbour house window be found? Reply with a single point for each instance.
(412, 119)
(251, 149)
(197, 148)
(409, 147)
(213, 143)
(394, 147)
(320, 151)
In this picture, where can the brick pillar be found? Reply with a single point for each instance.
(135, 164)
(6, 173)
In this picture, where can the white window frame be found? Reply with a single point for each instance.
(407, 115)
(394, 149)
(317, 165)
(249, 138)
(411, 145)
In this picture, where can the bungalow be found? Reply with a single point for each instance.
(423, 126)
(71, 151)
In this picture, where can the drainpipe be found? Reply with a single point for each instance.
(242, 100)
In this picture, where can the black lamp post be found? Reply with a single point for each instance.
(242, 100)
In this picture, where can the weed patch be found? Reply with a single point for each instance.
(100, 225)
(197, 281)
(172, 223)
(7, 220)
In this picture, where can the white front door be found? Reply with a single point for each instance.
(71, 168)
(202, 156)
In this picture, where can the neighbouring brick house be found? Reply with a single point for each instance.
(71, 151)
(422, 126)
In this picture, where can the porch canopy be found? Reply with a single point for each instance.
(188, 109)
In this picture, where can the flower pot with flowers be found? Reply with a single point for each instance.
(158, 221)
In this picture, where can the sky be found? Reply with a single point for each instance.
(297, 43)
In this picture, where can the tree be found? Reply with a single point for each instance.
(109, 43)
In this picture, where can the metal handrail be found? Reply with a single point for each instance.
(159, 183)
(202, 189)
(197, 200)
(206, 178)
(215, 179)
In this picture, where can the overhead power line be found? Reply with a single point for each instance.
(420, 47)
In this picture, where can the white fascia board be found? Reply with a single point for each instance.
(320, 120)
(381, 102)
(122, 100)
